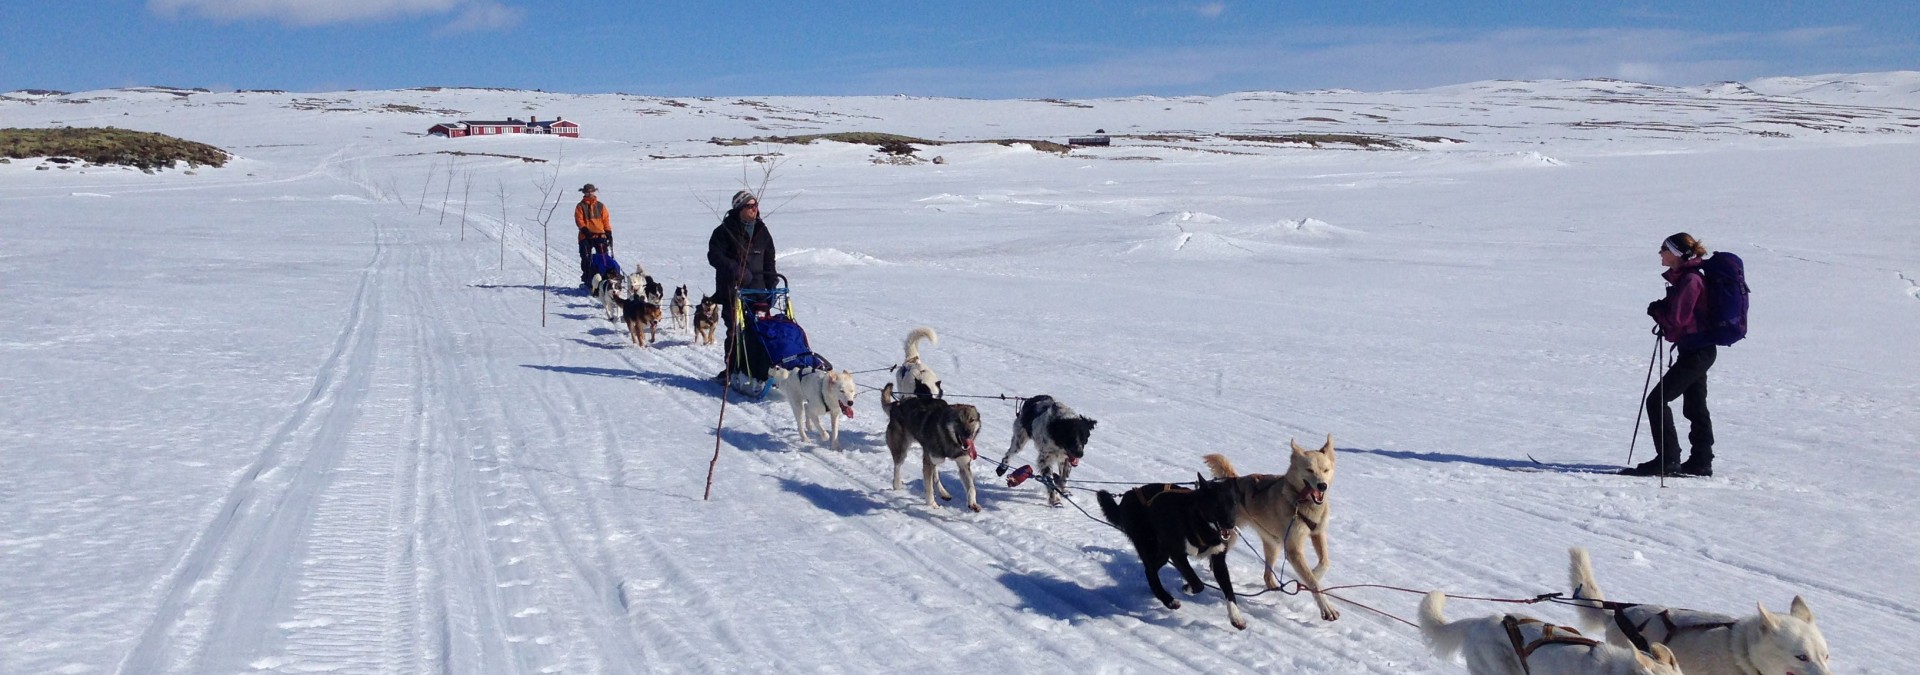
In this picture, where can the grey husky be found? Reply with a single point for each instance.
(942, 430)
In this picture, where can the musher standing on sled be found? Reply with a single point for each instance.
(1677, 316)
(741, 253)
(596, 229)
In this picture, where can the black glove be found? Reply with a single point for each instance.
(1653, 308)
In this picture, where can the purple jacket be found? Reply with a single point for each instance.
(1676, 313)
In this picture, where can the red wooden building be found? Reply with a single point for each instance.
(556, 126)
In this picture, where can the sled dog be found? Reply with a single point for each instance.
(911, 377)
(1168, 522)
(1513, 644)
(681, 307)
(705, 318)
(942, 430)
(656, 293)
(604, 289)
(1286, 511)
(641, 317)
(813, 392)
(1059, 436)
(1705, 643)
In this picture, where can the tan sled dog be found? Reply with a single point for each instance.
(1287, 510)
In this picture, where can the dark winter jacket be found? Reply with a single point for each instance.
(1677, 314)
(728, 247)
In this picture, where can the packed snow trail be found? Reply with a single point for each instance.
(278, 417)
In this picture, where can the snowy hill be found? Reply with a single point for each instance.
(316, 410)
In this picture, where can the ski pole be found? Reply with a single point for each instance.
(1666, 419)
(1644, 386)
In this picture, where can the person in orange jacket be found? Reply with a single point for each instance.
(596, 228)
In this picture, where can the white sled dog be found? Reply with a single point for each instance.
(813, 393)
(1287, 511)
(1705, 643)
(1513, 644)
(911, 377)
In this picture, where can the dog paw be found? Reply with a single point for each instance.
(1240, 624)
(975, 507)
(1173, 604)
(1000, 470)
(1189, 590)
(1329, 614)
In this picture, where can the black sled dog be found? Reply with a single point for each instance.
(1168, 522)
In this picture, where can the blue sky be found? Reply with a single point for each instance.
(976, 48)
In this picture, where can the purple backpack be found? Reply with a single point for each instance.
(1723, 312)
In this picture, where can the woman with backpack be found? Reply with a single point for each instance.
(1678, 317)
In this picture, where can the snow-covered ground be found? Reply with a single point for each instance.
(291, 416)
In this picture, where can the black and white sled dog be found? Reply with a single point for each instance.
(1059, 436)
(1168, 522)
(1705, 643)
(813, 392)
(911, 377)
(1514, 644)
(606, 291)
(682, 306)
(655, 293)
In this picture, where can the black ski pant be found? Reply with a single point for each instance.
(1686, 380)
(587, 247)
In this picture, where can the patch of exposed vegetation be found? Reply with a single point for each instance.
(1043, 146)
(260, 91)
(1164, 138)
(758, 158)
(883, 140)
(1435, 139)
(463, 153)
(1318, 119)
(1064, 102)
(107, 145)
(404, 108)
(856, 137)
(1323, 140)
(39, 92)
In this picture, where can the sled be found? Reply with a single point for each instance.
(771, 339)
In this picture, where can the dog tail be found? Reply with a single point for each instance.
(1111, 509)
(1445, 639)
(1220, 466)
(914, 338)
(886, 398)
(1580, 574)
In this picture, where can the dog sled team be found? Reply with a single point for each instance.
(1170, 523)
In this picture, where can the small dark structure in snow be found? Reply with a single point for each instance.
(1099, 141)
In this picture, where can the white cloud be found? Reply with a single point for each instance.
(484, 15)
(473, 14)
(1211, 10)
(1390, 58)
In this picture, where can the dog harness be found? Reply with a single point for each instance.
(1549, 635)
(1636, 633)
